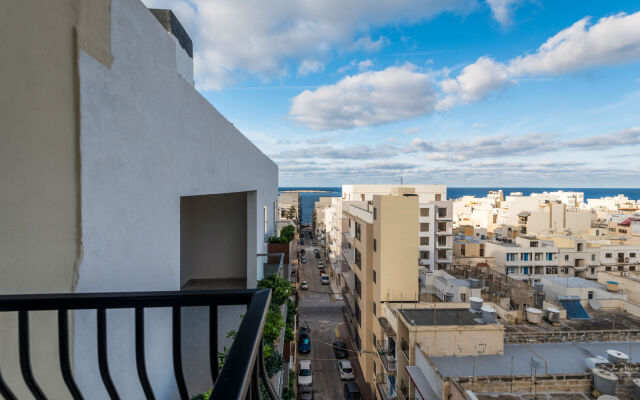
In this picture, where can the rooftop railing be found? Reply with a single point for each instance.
(239, 378)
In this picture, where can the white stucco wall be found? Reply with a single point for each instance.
(148, 138)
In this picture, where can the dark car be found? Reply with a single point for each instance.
(317, 255)
(351, 391)
(340, 350)
(304, 342)
(302, 252)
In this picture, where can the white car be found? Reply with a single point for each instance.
(305, 377)
(325, 279)
(304, 285)
(320, 265)
(345, 369)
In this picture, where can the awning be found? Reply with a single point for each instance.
(423, 390)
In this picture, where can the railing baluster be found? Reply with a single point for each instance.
(5, 391)
(140, 357)
(255, 382)
(177, 353)
(213, 341)
(103, 362)
(63, 347)
(25, 359)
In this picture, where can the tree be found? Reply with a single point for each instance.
(292, 212)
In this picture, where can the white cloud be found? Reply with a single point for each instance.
(364, 65)
(310, 67)
(368, 98)
(412, 130)
(478, 125)
(502, 9)
(612, 40)
(256, 37)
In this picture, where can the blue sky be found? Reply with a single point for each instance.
(459, 92)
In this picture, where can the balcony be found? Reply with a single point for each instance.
(445, 231)
(348, 236)
(404, 346)
(388, 359)
(350, 256)
(239, 378)
(387, 391)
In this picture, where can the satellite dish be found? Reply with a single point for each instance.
(595, 304)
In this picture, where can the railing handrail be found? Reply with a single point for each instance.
(238, 378)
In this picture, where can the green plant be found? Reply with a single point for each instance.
(292, 212)
(287, 393)
(273, 325)
(202, 396)
(273, 363)
(280, 288)
(288, 334)
(288, 232)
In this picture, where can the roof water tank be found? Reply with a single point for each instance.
(612, 286)
(473, 283)
(591, 362)
(616, 356)
(604, 381)
(488, 314)
(552, 314)
(607, 397)
(476, 304)
(534, 315)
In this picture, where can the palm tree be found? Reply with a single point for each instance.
(292, 212)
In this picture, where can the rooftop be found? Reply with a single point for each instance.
(447, 316)
(599, 321)
(538, 359)
(575, 282)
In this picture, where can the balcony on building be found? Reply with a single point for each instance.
(386, 386)
(443, 228)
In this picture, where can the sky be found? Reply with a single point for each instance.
(456, 92)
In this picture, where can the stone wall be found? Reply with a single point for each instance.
(528, 384)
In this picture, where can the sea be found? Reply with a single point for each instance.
(307, 199)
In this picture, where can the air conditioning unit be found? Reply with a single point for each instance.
(625, 273)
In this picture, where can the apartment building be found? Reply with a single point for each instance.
(333, 227)
(380, 243)
(553, 217)
(525, 258)
(289, 206)
(117, 175)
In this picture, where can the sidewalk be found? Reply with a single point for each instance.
(335, 290)
(364, 388)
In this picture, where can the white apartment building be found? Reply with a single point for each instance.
(426, 193)
(333, 225)
(573, 200)
(606, 205)
(525, 258)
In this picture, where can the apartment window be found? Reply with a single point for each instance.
(608, 255)
(511, 256)
(424, 227)
(549, 256)
(374, 314)
(266, 220)
(375, 213)
(424, 212)
(438, 197)
(534, 244)
(580, 246)
(442, 241)
(632, 255)
(512, 269)
(442, 212)
(620, 268)
(358, 259)
(566, 257)
(607, 268)
(463, 297)
(481, 250)
(357, 231)
(424, 255)
(374, 276)
(424, 241)
(593, 257)
(357, 312)
(358, 286)
(538, 256)
(462, 249)
(525, 256)
(374, 244)
(632, 267)
(593, 270)
(622, 230)
(590, 294)
(442, 226)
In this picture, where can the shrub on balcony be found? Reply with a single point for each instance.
(286, 235)
(280, 289)
(273, 325)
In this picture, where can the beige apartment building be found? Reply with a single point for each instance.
(380, 243)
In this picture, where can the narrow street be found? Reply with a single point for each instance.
(322, 313)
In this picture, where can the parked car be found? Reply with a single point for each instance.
(304, 285)
(325, 279)
(302, 251)
(314, 243)
(305, 377)
(305, 393)
(320, 265)
(351, 391)
(304, 260)
(304, 342)
(301, 242)
(317, 255)
(345, 369)
(340, 350)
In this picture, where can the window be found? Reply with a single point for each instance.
(442, 212)
(358, 259)
(580, 246)
(632, 267)
(374, 276)
(607, 268)
(481, 250)
(566, 257)
(266, 221)
(424, 241)
(375, 213)
(534, 244)
(463, 297)
(608, 255)
(357, 312)
(358, 286)
(593, 270)
(358, 231)
(424, 212)
(374, 313)
(374, 244)
(549, 256)
(622, 230)
(424, 255)
(424, 227)
(438, 197)
(593, 257)
(632, 255)
(511, 256)
(590, 294)
(462, 249)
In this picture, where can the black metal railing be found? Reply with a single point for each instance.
(239, 378)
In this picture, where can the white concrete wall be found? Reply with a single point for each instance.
(148, 138)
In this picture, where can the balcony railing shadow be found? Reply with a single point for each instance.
(239, 378)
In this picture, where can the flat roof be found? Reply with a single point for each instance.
(454, 282)
(561, 358)
(440, 316)
(575, 282)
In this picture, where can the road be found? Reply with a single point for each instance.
(319, 309)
